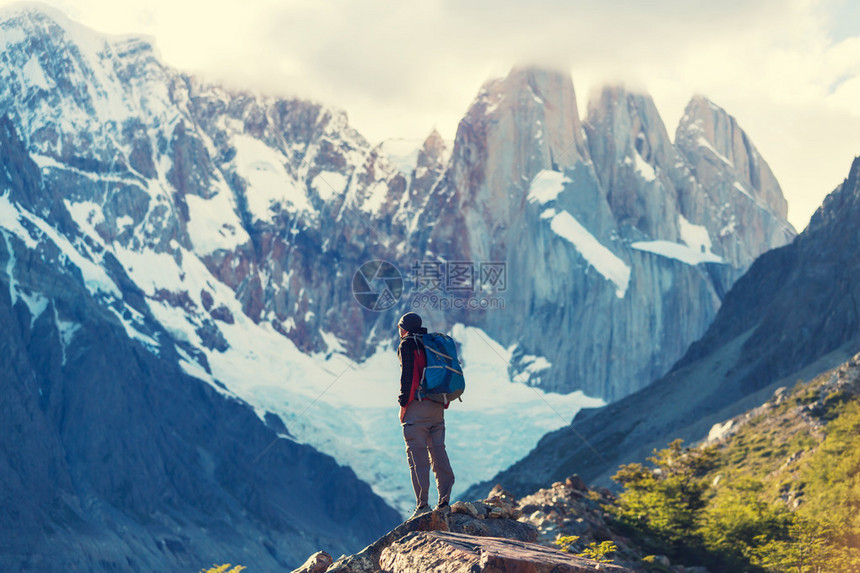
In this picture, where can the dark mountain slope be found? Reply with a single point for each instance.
(112, 458)
(793, 315)
(801, 300)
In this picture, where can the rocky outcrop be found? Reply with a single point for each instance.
(316, 563)
(475, 536)
(572, 514)
(367, 560)
(502, 533)
(478, 520)
(445, 551)
(570, 508)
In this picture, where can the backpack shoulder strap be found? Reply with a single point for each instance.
(418, 340)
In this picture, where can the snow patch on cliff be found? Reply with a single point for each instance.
(643, 168)
(598, 256)
(695, 250)
(269, 184)
(402, 153)
(35, 75)
(213, 224)
(676, 251)
(329, 184)
(546, 186)
(704, 143)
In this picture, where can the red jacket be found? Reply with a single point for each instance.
(412, 363)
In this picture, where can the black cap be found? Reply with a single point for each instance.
(410, 322)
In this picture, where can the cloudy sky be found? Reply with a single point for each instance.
(789, 70)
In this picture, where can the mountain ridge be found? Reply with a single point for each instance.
(290, 190)
(791, 315)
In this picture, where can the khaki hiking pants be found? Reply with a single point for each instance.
(424, 433)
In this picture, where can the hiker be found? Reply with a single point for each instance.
(423, 421)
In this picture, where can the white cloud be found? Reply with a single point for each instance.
(789, 70)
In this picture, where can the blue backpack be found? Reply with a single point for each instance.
(442, 380)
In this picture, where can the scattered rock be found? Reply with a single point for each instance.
(316, 563)
(530, 508)
(780, 395)
(501, 504)
(501, 493)
(465, 507)
(483, 508)
(575, 482)
(507, 528)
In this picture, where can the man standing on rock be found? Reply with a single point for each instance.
(423, 421)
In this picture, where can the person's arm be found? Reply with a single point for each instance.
(407, 365)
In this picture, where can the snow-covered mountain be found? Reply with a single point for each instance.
(229, 233)
(113, 458)
(239, 223)
(281, 201)
(619, 244)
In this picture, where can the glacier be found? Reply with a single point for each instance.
(348, 409)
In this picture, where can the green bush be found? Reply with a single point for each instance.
(727, 508)
(223, 569)
(599, 551)
(565, 542)
(664, 501)
(737, 523)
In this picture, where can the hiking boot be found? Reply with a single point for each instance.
(420, 510)
(441, 505)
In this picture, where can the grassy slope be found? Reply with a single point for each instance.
(783, 489)
(779, 490)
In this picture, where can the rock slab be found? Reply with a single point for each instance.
(463, 525)
(441, 551)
